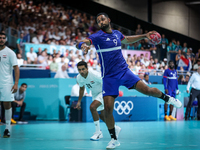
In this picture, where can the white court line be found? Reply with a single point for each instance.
(178, 144)
(83, 148)
(39, 139)
(162, 144)
(134, 142)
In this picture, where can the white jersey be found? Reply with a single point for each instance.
(93, 82)
(8, 59)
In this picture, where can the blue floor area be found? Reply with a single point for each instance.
(55, 135)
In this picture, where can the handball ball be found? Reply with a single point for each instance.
(121, 93)
(155, 38)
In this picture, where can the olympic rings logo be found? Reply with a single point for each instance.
(123, 106)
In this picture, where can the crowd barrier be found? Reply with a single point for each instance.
(45, 96)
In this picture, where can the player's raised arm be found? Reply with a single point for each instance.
(134, 38)
(84, 45)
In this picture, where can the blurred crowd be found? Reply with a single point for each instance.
(47, 23)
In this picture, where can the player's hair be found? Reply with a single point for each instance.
(1, 33)
(82, 63)
(170, 62)
(102, 13)
(24, 84)
(145, 75)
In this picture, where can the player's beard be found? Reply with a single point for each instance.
(171, 67)
(105, 27)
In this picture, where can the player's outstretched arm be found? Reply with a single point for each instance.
(81, 92)
(84, 45)
(15, 86)
(134, 38)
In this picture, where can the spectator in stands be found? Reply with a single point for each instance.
(128, 59)
(153, 51)
(20, 61)
(39, 51)
(145, 62)
(150, 66)
(197, 65)
(141, 57)
(20, 43)
(178, 46)
(169, 48)
(187, 78)
(164, 41)
(131, 46)
(137, 60)
(62, 73)
(184, 47)
(42, 59)
(164, 62)
(137, 67)
(50, 59)
(141, 76)
(138, 31)
(31, 56)
(95, 66)
(197, 55)
(146, 79)
(91, 61)
(156, 63)
(37, 39)
(178, 56)
(73, 68)
(181, 79)
(54, 65)
(146, 46)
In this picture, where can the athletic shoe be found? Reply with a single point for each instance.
(22, 122)
(13, 121)
(6, 134)
(172, 118)
(112, 144)
(96, 136)
(167, 118)
(117, 130)
(174, 102)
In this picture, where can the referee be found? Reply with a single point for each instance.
(195, 92)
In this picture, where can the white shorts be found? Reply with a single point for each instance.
(5, 94)
(99, 97)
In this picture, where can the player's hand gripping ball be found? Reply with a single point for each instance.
(155, 38)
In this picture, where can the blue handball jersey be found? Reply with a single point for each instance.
(108, 47)
(170, 80)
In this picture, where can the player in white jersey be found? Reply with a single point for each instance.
(8, 61)
(93, 81)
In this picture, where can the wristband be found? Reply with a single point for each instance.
(79, 45)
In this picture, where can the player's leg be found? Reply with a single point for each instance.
(14, 105)
(198, 110)
(93, 108)
(8, 114)
(110, 92)
(166, 115)
(143, 88)
(2, 113)
(7, 97)
(22, 109)
(193, 94)
(131, 81)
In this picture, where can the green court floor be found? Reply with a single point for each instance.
(55, 135)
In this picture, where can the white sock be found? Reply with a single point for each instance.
(8, 115)
(97, 126)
